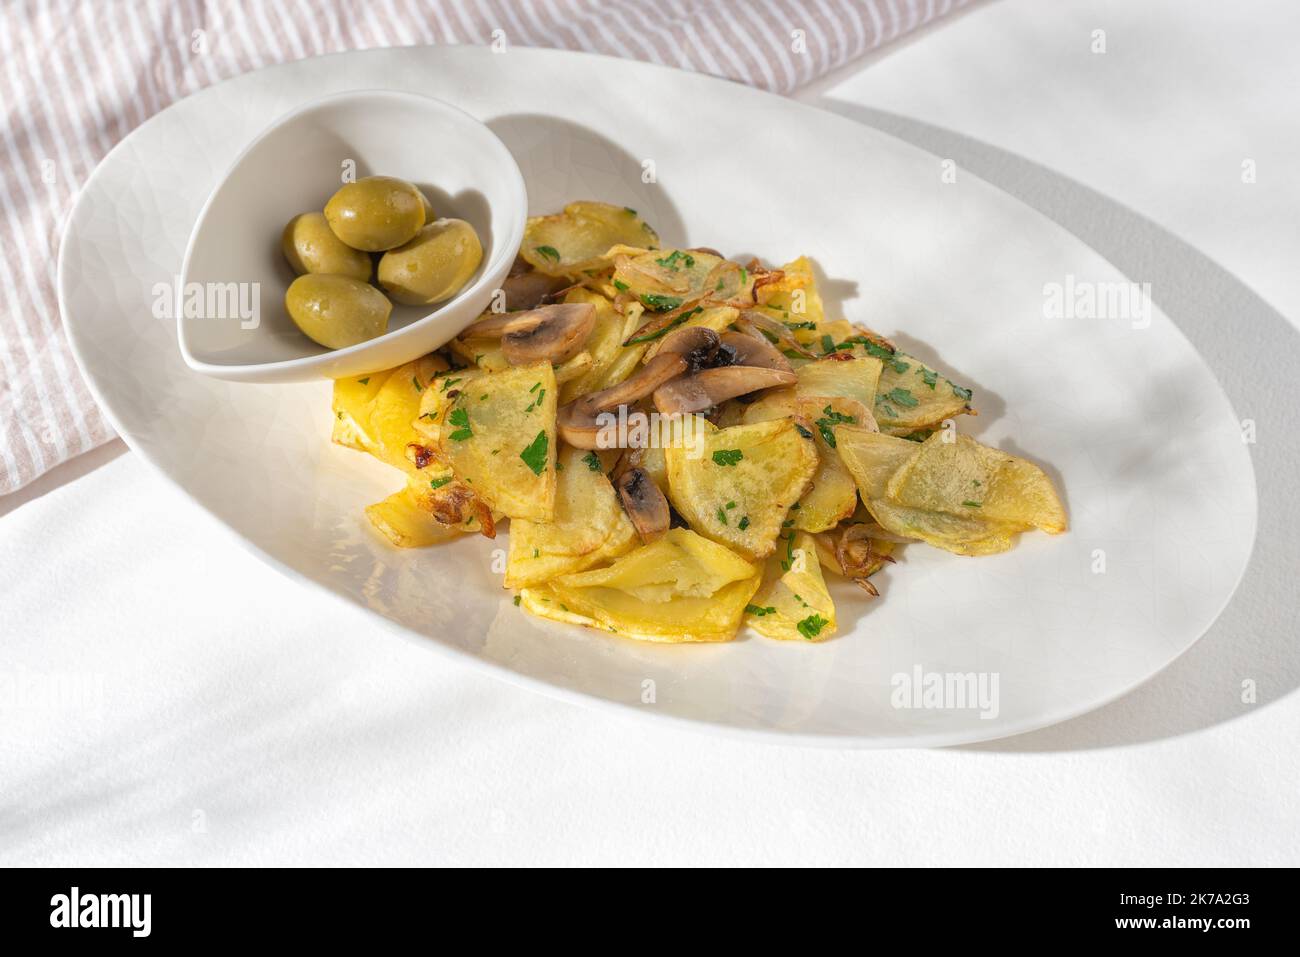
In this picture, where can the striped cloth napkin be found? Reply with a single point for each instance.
(76, 76)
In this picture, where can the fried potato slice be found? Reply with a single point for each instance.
(843, 376)
(736, 485)
(578, 239)
(589, 527)
(871, 457)
(833, 495)
(352, 400)
(681, 587)
(795, 300)
(497, 431)
(665, 279)
(793, 603)
(375, 413)
(959, 476)
(913, 397)
(405, 519)
(953, 533)
(603, 345)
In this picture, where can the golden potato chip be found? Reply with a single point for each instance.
(712, 619)
(736, 485)
(958, 534)
(498, 434)
(959, 476)
(872, 457)
(795, 300)
(352, 401)
(847, 376)
(604, 345)
(681, 587)
(389, 416)
(578, 239)
(404, 521)
(793, 604)
(911, 397)
(665, 279)
(589, 527)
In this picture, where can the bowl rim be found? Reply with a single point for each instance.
(507, 247)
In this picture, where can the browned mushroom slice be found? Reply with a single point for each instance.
(704, 389)
(551, 333)
(577, 421)
(698, 345)
(531, 289)
(755, 351)
(645, 505)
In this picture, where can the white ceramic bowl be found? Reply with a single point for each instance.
(295, 166)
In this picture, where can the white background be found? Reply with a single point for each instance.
(289, 729)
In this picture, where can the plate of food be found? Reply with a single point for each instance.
(775, 424)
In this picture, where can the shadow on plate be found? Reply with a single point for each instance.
(1253, 351)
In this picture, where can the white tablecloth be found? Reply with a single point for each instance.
(144, 721)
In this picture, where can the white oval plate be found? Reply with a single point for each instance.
(1126, 416)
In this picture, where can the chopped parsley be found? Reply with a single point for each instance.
(593, 461)
(659, 333)
(550, 252)
(830, 418)
(960, 392)
(969, 504)
(802, 431)
(929, 377)
(727, 456)
(677, 256)
(758, 612)
(459, 417)
(660, 303)
(722, 516)
(365, 381)
(620, 285)
(743, 523)
(516, 601)
(447, 384)
(811, 626)
(900, 396)
(535, 455)
(439, 482)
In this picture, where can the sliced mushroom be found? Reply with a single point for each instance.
(645, 504)
(552, 333)
(577, 421)
(752, 351)
(704, 389)
(698, 345)
(531, 289)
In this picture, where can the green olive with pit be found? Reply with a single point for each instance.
(310, 246)
(337, 311)
(433, 266)
(376, 213)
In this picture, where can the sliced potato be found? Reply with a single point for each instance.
(578, 239)
(793, 604)
(403, 519)
(872, 457)
(795, 300)
(498, 434)
(681, 587)
(845, 376)
(589, 527)
(384, 426)
(716, 618)
(911, 397)
(959, 476)
(603, 345)
(737, 484)
(953, 533)
(352, 400)
(665, 279)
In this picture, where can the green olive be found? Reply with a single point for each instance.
(337, 311)
(429, 214)
(376, 213)
(434, 265)
(311, 246)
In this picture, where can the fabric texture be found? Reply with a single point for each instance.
(76, 76)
